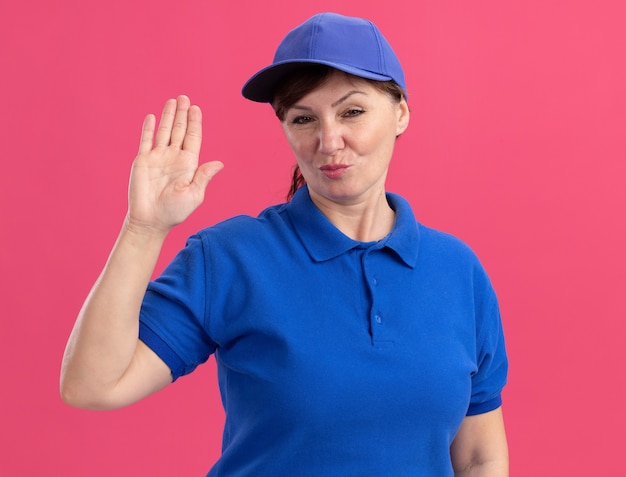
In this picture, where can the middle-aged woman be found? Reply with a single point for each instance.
(350, 339)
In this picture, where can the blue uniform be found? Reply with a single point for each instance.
(335, 357)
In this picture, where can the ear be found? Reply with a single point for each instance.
(403, 116)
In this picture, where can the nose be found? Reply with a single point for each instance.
(330, 138)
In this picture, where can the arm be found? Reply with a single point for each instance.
(105, 365)
(480, 447)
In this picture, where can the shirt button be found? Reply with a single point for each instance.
(374, 281)
(379, 319)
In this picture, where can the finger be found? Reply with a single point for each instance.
(180, 121)
(193, 137)
(165, 124)
(147, 134)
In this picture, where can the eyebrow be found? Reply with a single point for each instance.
(335, 104)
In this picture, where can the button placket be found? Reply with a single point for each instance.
(372, 259)
(376, 315)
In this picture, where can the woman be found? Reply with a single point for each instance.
(350, 339)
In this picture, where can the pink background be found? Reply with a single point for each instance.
(516, 144)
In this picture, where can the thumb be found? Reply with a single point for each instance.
(206, 172)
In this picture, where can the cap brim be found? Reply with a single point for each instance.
(260, 87)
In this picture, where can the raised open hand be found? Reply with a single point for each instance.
(166, 183)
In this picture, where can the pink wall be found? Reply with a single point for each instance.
(517, 145)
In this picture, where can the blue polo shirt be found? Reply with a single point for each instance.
(335, 357)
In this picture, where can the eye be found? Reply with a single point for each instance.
(301, 119)
(353, 112)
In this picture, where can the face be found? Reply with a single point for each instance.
(342, 135)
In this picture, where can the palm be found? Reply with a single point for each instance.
(167, 184)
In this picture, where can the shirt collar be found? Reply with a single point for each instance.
(324, 241)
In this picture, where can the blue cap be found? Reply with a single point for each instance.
(352, 45)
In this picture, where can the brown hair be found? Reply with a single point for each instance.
(297, 84)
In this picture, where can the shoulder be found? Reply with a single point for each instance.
(246, 232)
(244, 223)
(433, 247)
(449, 251)
(433, 240)
(443, 242)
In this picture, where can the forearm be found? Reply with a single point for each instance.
(104, 339)
(105, 365)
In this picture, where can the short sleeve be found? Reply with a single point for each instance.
(174, 310)
(492, 361)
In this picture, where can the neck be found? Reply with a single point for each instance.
(362, 221)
